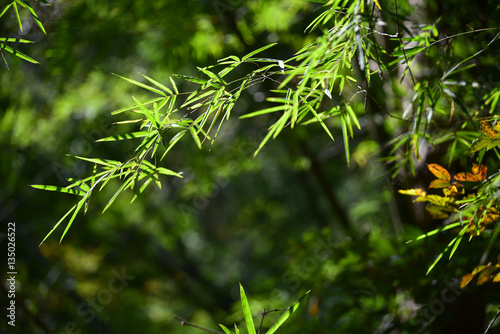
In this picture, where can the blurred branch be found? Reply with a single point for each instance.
(187, 323)
(492, 321)
(264, 313)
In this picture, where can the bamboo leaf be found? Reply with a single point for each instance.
(105, 162)
(59, 189)
(6, 8)
(72, 219)
(58, 223)
(264, 111)
(135, 106)
(225, 329)
(35, 17)
(431, 233)
(287, 314)
(246, 311)
(148, 113)
(14, 40)
(459, 238)
(192, 130)
(131, 135)
(257, 51)
(159, 85)
(140, 84)
(345, 134)
(18, 54)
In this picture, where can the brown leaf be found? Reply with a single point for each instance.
(439, 172)
(478, 174)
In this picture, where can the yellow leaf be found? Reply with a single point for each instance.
(413, 192)
(466, 280)
(496, 278)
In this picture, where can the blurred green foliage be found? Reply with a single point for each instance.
(294, 218)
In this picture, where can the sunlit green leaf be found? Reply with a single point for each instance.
(59, 189)
(287, 314)
(246, 311)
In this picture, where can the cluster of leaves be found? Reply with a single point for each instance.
(466, 209)
(16, 5)
(485, 273)
(247, 314)
(315, 72)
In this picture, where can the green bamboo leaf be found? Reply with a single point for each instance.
(229, 60)
(433, 232)
(124, 185)
(172, 142)
(191, 79)
(148, 113)
(264, 111)
(105, 162)
(58, 223)
(18, 54)
(159, 85)
(35, 17)
(15, 40)
(135, 106)
(195, 136)
(352, 116)
(17, 15)
(459, 239)
(59, 189)
(225, 329)
(346, 138)
(174, 85)
(257, 51)
(311, 109)
(263, 142)
(287, 314)
(131, 135)
(441, 255)
(236, 329)
(166, 171)
(77, 209)
(246, 311)
(140, 84)
(6, 8)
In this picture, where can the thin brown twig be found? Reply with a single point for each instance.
(187, 323)
(264, 313)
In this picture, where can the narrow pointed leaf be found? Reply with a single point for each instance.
(105, 162)
(77, 209)
(246, 311)
(287, 314)
(131, 135)
(140, 84)
(192, 130)
(58, 223)
(59, 189)
(264, 111)
(18, 54)
(5, 9)
(257, 51)
(225, 329)
(159, 85)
